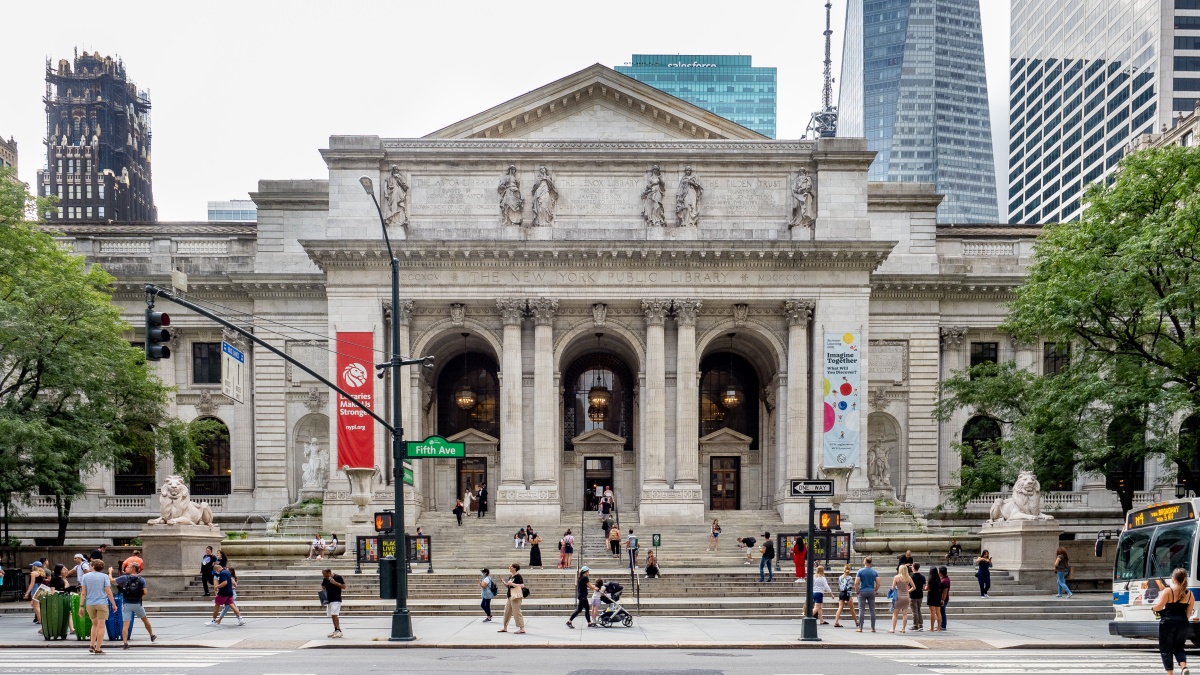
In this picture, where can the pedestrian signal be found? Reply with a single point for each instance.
(830, 520)
(157, 336)
(383, 521)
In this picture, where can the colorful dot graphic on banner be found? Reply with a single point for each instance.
(842, 405)
(830, 417)
(848, 338)
(828, 387)
(846, 389)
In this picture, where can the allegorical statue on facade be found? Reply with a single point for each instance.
(687, 200)
(804, 202)
(395, 198)
(316, 465)
(652, 198)
(511, 201)
(879, 473)
(545, 198)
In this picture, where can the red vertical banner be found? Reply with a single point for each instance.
(356, 430)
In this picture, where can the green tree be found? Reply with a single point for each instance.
(74, 395)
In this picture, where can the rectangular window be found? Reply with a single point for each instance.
(100, 189)
(1055, 357)
(89, 212)
(100, 212)
(206, 362)
(984, 352)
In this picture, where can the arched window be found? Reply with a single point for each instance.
(729, 396)
(469, 395)
(980, 433)
(1127, 437)
(137, 478)
(1189, 453)
(215, 478)
(609, 407)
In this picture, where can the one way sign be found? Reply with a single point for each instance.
(812, 488)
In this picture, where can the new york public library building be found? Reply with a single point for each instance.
(620, 289)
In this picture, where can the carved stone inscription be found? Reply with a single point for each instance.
(453, 196)
(699, 276)
(744, 196)
(889, 361)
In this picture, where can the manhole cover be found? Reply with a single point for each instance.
(722, 654)
(467, 657)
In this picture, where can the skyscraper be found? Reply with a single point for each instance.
(8, 152)
(913, 83)
(1086, 77)
(97, 142)
(725, 85)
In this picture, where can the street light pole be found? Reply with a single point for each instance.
(402, 630)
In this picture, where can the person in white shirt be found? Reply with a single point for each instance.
(317, 550)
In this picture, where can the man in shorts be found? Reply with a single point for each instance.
(224, 596)
(133, 590)
(333, 584)
(95, 597)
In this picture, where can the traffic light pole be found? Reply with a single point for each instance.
(808, 627)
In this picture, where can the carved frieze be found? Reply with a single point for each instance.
(458, 314)
(599, 314)
(741, 312)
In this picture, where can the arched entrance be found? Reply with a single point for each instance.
(730, 429)
(468, 399)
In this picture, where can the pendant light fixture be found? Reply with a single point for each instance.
(598, 396)
(465, 397)
(731, 395)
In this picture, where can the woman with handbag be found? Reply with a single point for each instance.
(568, 548)
(1175, 605)
(799, 556)
(902, 586)
(516, 594)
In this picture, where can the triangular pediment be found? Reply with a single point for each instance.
(597, 103)
(597, 436)
(473, 436)
(726, 435)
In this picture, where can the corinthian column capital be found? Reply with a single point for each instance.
(686, 311)
(656, 311)
(511, 311)
(798, 312)
(543, 310)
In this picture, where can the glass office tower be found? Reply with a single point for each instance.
(913, 83)
(1087, 77)
(725, 85)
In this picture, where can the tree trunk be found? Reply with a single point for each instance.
(63, 506)
(1125, 494)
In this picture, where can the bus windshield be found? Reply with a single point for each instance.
(1154, 552)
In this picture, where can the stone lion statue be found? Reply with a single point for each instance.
(1025, 503)
(178, 508)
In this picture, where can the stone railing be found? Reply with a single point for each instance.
(989, 248)
(202, 247)
(1051, 501)
(125, 246)
(1147, 497)
(132, 503)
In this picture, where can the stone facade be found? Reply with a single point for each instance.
(706, 337)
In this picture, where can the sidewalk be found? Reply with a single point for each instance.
(650, 632)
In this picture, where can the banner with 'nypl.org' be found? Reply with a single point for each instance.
(355, 429)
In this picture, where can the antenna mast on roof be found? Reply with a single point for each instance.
(824, 122)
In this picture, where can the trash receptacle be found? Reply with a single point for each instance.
(387, 578)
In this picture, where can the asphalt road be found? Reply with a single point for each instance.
(171, 661)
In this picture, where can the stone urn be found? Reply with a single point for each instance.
(841, 483)
(361, 490)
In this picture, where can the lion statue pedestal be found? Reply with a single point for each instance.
(173, 543)
(1021, 539)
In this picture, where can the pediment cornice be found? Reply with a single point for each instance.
(1000, 288)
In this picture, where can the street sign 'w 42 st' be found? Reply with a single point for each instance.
(812, 488)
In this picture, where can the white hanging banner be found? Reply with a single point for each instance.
(232, 363)
(843, 359)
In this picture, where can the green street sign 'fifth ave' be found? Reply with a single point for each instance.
(435, 447)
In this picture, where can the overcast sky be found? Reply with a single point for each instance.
(248, 90)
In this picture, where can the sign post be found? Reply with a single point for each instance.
(810, 489)
(232, 363)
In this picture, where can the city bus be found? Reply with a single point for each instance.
(1155, 541)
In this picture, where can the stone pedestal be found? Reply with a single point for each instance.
(519, 505)
(681, 505)
(172, 554)
(1024, 548)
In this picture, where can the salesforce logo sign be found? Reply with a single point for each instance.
(693, 64)
(354, 375)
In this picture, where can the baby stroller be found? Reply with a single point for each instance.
(613, 611)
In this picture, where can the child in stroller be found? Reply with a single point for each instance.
(613, 612)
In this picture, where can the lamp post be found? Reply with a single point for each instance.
(402, 630)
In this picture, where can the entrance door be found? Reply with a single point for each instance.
(472, 472)
(597, 474)
(724, 480)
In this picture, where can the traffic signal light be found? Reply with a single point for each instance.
(829, 520)
(383, 521)
(157, 336)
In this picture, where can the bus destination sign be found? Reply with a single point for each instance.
(1162, 513)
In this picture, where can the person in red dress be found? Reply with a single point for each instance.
(800, 557)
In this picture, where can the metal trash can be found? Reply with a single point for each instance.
(387, 578)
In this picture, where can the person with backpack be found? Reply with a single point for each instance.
(333, 585)
(614, 541)
(133, 591)
(487, 591)
(631, 546)
(768, 557)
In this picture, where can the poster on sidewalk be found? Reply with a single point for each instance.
(355, 430)
(843, 358)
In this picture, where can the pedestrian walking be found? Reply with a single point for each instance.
(799, 558)
(845, 596)
(224, 598)
(933, 599)
(568, 548)
(519, 539)
(983, 572)
(768, 556)
(1062, 567)
(901, 595)
(458, 511)
(206, 568)
(614, 541)
(37, 573)
(714, 533)
(333, 585)
(481, 506)
(133, 592)
(136, 558)
(487, 591)
(865, 582)
(535, 548)
(516, 593)
(96, 599)
(632, 547)
(606, 507)
(944, 578)
(605, 527)
(582, 586)
(820, 590)
(99, 553)
(1175, 605)
(918, 595)
(748, 544)
(468, 500)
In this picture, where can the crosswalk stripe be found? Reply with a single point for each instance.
(1022, 663)
(22, 661)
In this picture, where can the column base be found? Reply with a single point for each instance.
(537, 505)
(681, 505)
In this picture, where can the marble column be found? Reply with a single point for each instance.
(545, 406)
(687, 396)
(797, 458)
(654, 467)
(512, 470)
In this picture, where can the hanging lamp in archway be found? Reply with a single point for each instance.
(465, 397)
(598, 396)
(731, 394)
